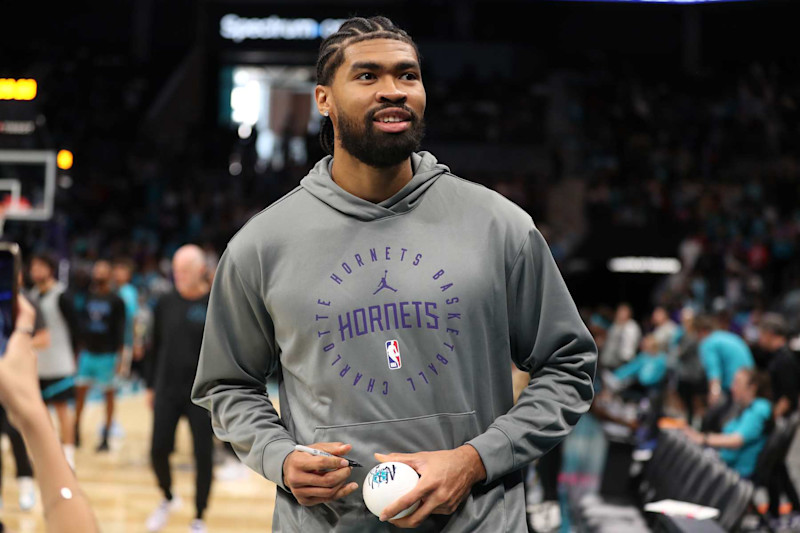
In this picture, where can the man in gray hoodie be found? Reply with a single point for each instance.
(388, 296)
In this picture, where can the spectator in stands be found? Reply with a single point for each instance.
(664, 328)
(684, 358)
(783, 366)
(648, 369)
(784, 373)
(743, 437)
(622, 339)
(722, 353)
(641, 381)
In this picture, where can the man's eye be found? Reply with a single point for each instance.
(409, 76)
(366, 76)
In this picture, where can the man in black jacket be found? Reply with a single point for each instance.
(178, 324)
(784, 373)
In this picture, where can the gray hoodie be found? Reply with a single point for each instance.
(393, 327)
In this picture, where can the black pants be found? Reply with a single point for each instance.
(549, 468)
(780, 483)
(24, 468)
(167, 411)
(688, 391)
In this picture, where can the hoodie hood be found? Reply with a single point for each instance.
(319, 183)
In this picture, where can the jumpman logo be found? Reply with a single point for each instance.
(384, 285)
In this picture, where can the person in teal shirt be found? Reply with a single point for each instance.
(722, 353)
(743, 437)
(648, 368)
(123, 272)
(640, 380)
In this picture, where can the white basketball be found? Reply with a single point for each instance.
(387, 482)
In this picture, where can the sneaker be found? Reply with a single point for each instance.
(27, 493)
(197, 526)
(545, 516)
(158, 518)
(103, 447)
(232, 470)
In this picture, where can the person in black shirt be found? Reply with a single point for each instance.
(178, 322)
(784, 372)
(100, 338)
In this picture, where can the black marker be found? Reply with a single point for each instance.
(314, 451)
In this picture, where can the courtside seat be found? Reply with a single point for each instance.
(735, 504)
(776, 449)
(679, 470)
(697, 479)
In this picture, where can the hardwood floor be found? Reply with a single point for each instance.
(122, 487)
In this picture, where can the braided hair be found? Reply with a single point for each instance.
(331, 56)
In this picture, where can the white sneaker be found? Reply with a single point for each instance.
(27, 493)
(232, 470)
(197, 526)
(158, 518)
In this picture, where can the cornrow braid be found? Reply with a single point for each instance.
(331, 56)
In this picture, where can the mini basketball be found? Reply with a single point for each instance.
(387, 482)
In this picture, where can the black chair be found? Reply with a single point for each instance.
(775, 449)
(661, 463)
(700, 477)
(679, 462)
(656, 465)
(721, 489)
(735, 505)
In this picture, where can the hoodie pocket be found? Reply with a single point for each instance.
(442, 431)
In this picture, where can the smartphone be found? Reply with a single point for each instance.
(10, 268)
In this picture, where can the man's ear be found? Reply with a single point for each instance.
(323, 98)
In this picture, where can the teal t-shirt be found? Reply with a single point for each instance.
(648, 369)
(130, 297)
(751, 425)
(723, 353)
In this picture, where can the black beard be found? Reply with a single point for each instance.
(380, 149)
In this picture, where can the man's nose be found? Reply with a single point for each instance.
(389, 92)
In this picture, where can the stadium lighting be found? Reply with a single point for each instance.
(645, 265)
(64, 159)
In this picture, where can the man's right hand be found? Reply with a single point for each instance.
(314, 479)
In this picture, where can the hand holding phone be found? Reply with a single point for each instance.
(10, 268)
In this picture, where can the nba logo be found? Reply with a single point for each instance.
(393, 354)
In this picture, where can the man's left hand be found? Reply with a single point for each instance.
(446, 478)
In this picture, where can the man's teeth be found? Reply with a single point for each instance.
(391, 119)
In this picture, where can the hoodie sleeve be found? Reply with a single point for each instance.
(237, 354)
(549, 340)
